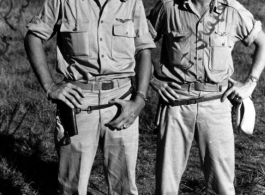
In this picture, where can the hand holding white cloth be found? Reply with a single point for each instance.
(245, 116)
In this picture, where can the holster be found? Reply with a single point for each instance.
(67, 117)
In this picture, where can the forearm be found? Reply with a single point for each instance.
(37, 59)
(259, 56)
(239, 91)
(143, 71)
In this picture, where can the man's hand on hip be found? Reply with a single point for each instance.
(129, 111)
(165, 89)
(238, 90)
(68, 93)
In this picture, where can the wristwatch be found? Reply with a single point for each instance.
(253, 78)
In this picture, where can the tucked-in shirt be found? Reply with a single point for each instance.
(197, 48)
(94, 41)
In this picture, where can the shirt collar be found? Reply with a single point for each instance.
(216, 3)
(213, 4)
(186, 3)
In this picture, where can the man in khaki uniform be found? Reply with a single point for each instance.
(97, 42)
(194, 82)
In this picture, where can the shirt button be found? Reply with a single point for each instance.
(126, 33)
(201, 21)
(223, 44)
(102, 56)
(100, 39)
(200, 78)
(101, 21)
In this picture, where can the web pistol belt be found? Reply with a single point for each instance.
(194, 100)
(89, 109)
(197, 86)
(101, 85)
(208, 87)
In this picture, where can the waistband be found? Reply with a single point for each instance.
(208, 87)
(194, 101)
(101, 85)
(89, 109)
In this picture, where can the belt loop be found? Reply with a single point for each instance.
(93, 86)
(220, 88)
(115, 83)
(118, 82)
(100, 85)
(190, 85)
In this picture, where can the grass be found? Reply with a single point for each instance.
(28, 160)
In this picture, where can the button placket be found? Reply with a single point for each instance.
(199, 52)
(100, 38)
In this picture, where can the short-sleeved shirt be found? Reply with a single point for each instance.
(197, 48)
(94, 41)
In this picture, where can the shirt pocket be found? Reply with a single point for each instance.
(221, 48)
(75, 38)
(181, 49)
(123, 45)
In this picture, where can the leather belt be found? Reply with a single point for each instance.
(193, 101)
(89, 109)
(101, 85)
(209, 87)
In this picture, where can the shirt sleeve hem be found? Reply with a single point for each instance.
(144, 42)
(40, 29)
(253, 34)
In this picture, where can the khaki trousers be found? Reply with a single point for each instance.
(119, 148)
(209, 123)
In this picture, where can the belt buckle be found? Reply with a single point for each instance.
(107, 85)
(198, 86)
(192, 101)
(112, 84)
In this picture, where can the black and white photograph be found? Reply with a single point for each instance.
(132, 97)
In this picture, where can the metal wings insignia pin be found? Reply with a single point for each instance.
(123, 20)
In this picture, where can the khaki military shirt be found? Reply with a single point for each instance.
(198, 47)
(94, 41)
